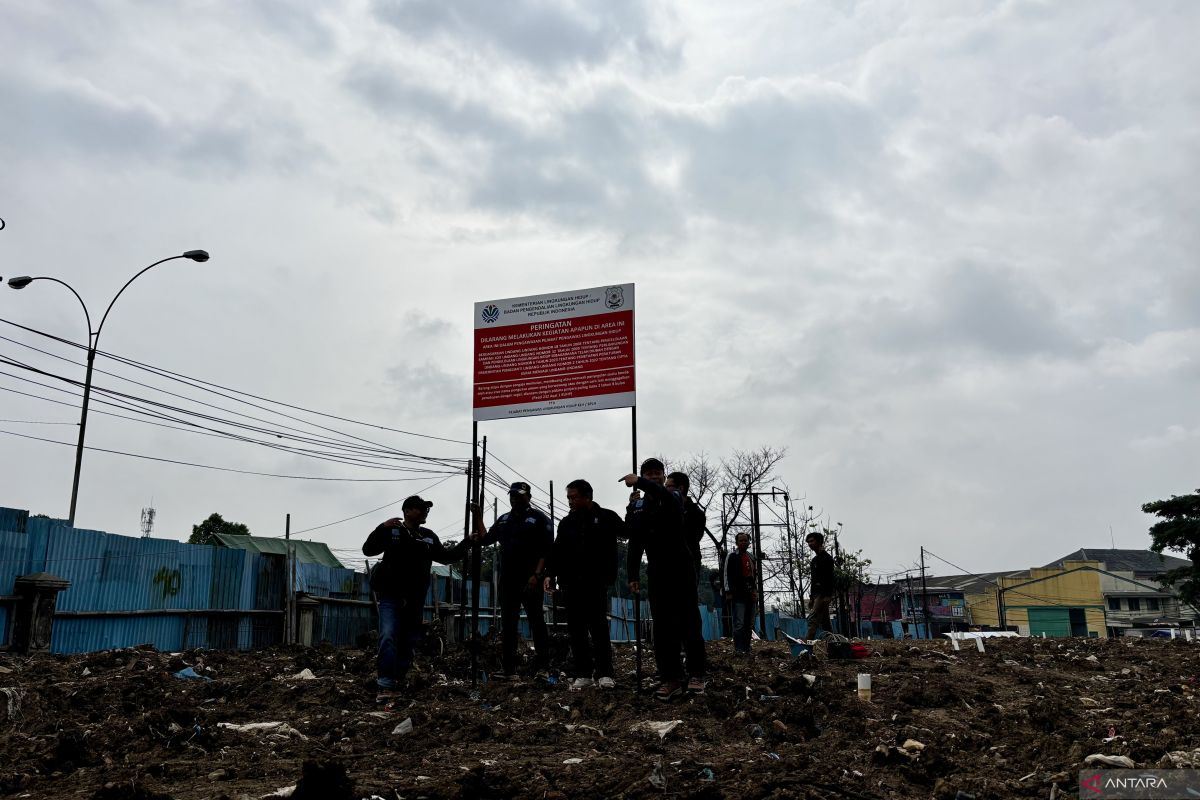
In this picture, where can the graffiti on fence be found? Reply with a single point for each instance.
(171, 581)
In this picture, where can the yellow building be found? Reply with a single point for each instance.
(1055, 601)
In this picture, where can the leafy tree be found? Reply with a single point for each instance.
(1179, 530)
(203, 533)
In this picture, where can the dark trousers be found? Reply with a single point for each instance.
(587, 626)
(512, 597)
(819, 616)
(399, 631)
(676, 610)
(743, 624)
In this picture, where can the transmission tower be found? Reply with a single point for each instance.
(147, 521)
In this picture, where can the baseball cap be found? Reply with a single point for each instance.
(415, 501)
(520, 487)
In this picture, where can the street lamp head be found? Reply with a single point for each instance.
(196, 255)
(19, 282)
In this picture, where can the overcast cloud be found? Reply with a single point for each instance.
(946, 253)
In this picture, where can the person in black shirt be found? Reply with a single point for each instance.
(400, 582)
(584, 560)
(821, 584)
(740, 592)
(525, 535)
(655, 523)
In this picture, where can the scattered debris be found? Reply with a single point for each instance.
(13, 697)
(277, 728)
(657, 778)
(984, 723)
(1110, 761)
(406, 726)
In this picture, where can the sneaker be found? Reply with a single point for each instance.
(696, 686)
(581, 683)
(606, 683)
(668, 690)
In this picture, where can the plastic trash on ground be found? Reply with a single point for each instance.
(660, 728)
(188, 673)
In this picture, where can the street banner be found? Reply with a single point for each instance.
(554, 353)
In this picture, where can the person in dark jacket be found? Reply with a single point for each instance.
(694, 524)
(525, 535)
(400, 582)
(694, 521)
(741, 592)
(584, 561)
(821, 584)
(655, 524)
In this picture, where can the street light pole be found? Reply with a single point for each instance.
(93, 343)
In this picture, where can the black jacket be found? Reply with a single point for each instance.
(407, 557)
(585, 551)
(821, 572)
(694, 523)
(525, 538)
(655, 526)
(737, 582)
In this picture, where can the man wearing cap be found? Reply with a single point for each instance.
(400, 581)
(525, 535)
(584, 560)
(656, 527)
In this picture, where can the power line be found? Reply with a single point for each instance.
(218, 469)
(335, 456)
(203, 384)
(200, 430)
(373, 510)
(1046, 600)
(323, 441)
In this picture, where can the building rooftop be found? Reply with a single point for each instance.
(1139, 562)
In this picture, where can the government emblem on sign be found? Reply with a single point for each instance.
(614, 297)
(490, 314)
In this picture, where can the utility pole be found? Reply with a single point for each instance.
(471, 553)
(843, 612)
(477, 557)
(791, 550)
(925, 596)
(912, 613)
(289, 633)
(762, 594)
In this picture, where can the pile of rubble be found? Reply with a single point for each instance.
(1018, 720)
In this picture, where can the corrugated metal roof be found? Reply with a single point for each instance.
(307, 552)
(1119, 560)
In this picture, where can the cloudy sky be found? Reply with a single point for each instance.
(945, 253)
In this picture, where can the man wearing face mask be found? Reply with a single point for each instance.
(400, 581)
(525, 535)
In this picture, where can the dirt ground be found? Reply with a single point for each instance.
(1015, 721)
